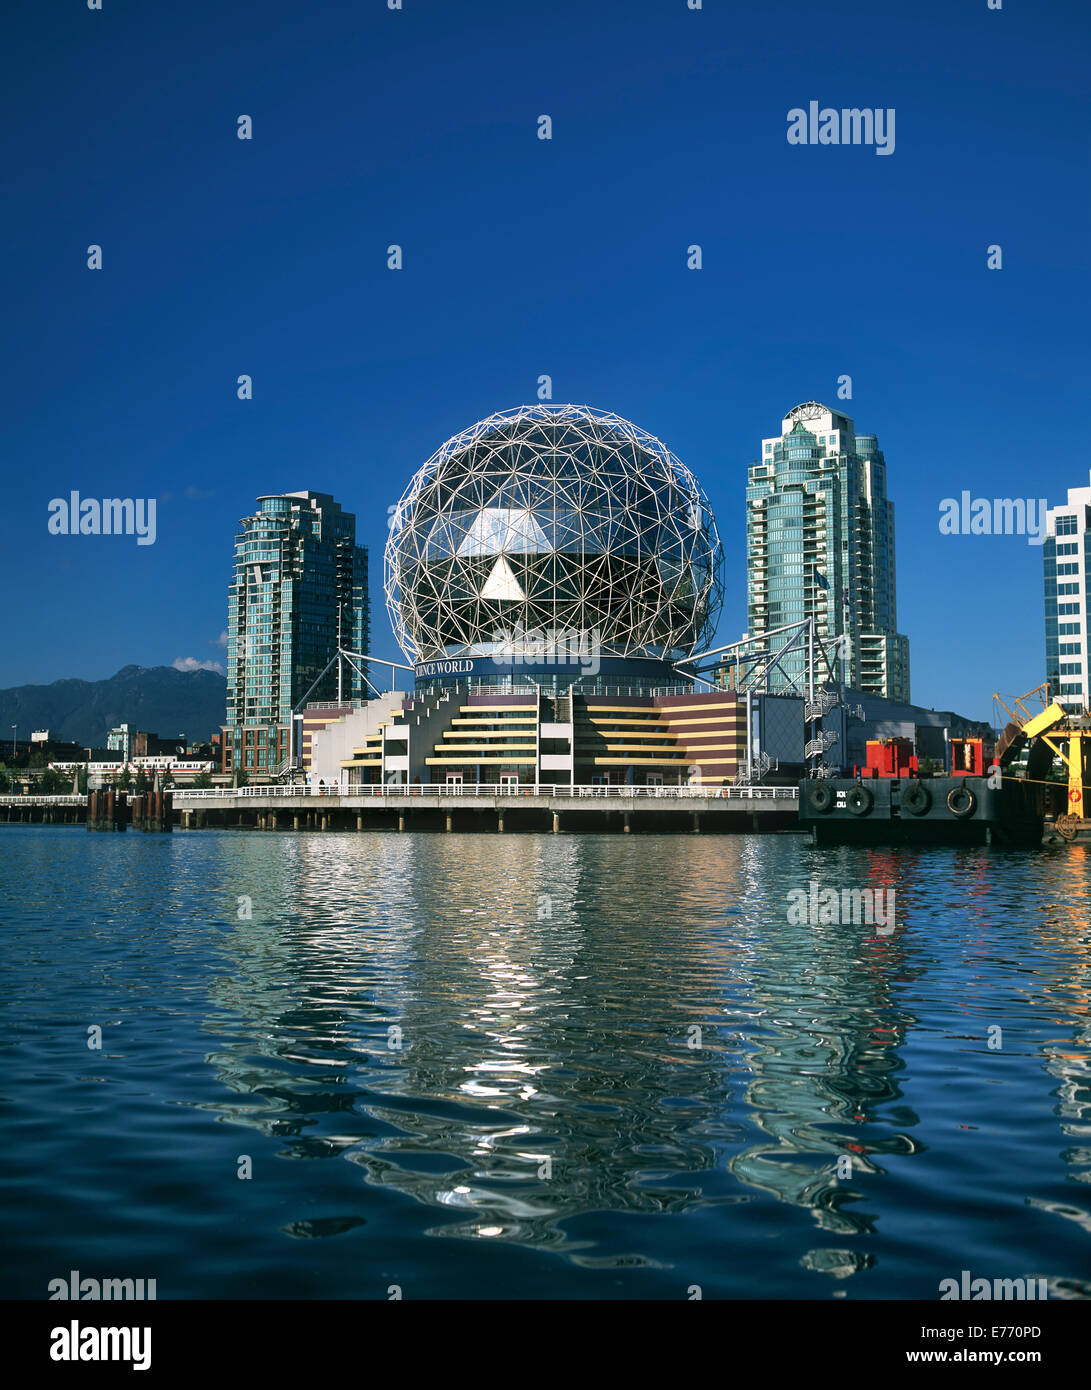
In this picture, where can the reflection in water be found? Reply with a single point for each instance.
(491, 1040)
(1064, 933)
(827, 1063)
(544, 1069)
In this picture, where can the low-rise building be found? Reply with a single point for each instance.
(454, 736)
(930, 731)
(119, 740)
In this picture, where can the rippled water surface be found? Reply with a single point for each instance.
(468, 1065)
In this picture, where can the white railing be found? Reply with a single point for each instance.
(725, 793)
(66, 800)
(490, 789)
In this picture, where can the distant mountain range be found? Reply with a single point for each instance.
(156, 698)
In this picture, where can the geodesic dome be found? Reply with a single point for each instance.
(549, 520)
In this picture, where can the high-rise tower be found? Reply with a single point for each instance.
(298, 592)
(1067, 584)
(820, 542)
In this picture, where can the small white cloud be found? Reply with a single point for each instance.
(220, 641)
(190, 663)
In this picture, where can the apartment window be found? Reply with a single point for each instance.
(1068, 588)
(1066, 526)
(1068, 610)
(1068, 548)
(1069, 649)
(1070, 668)
(1068, 568)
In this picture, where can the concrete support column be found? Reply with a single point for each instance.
(697, 822)
(271, 821)
(755, 821)
(556, 822)
(401, 820)
(359, 820)
(626, 827)
(500, 822)
(325, 824)
(448, 824)
(295, 821)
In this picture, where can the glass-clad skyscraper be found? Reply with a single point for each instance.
(820, 542)
(298, 592)
(1067, 572)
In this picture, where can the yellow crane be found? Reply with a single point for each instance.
(1052, 733)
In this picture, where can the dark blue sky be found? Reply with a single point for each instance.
(525, 257)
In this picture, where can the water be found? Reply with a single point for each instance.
(546, 988)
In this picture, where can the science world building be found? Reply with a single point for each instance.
(556, 545)
(548, 572)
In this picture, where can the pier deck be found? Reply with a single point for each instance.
(487, 807)
(483, 808)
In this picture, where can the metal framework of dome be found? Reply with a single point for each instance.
(546, 521)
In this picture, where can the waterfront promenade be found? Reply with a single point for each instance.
(451, 807)
(484, 806)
